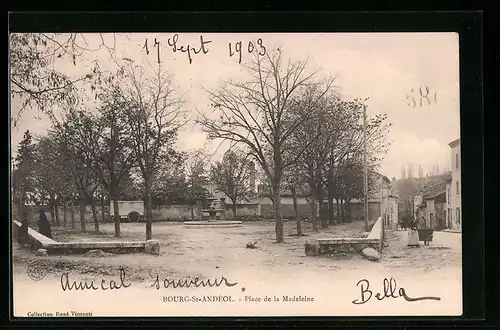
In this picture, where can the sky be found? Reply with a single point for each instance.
(389, 68)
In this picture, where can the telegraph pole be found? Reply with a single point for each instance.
(365, 167)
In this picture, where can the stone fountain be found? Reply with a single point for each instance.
(211, 216)
(213, 212)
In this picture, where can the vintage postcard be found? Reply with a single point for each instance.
(235, 174)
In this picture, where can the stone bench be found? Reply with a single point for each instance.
(82, 247)
(36, 240)
(356, 244)
(347, 244)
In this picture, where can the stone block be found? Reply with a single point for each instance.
(41, 252)
(95, 253)
(371, 254)
(152, 246)
(311, 249)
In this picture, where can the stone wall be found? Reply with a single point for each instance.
(304, 210)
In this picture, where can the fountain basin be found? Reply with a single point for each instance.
(211, 214)
(213, 224)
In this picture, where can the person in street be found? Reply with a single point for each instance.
(43, 224)
(413, 239)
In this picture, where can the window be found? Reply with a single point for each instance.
(448, 196)
(458, 188)
(458, 215)
(457, 165)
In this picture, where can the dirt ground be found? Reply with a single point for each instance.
(197, 251)
(215, 252)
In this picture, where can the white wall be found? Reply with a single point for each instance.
(456, 188)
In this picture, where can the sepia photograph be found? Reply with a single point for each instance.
(235, 174)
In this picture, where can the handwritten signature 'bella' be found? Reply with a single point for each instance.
(390, 289)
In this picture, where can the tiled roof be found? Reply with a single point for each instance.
(434, 191)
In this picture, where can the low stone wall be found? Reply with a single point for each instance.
(82, 247)
(38, 241)
(347, 244)
(376, 231)
(357, 244)
(35, 239)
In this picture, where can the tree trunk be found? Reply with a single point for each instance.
(114, 193)
(53, 214)
(296, 209)
(20, 208)
(22, 235)
(72, 213)
(348, 209)
(103, 211)
(94, 215)
(65, 213)
(342, 209)
(235, 207)
(116, 217)
(82, 215)
(331, 208)
(149, 213)
(277, 213)
(312, 205)
(329, 195)
(193, 201)
(339, 218)
(56, 207)
(52, 210)
(324, 220)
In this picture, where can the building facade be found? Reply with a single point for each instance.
(454, 189)
(431, 205)
(385, 193)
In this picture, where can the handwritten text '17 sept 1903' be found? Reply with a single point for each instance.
(236, 49)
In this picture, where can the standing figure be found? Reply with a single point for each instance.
(43, 224)
(413, 239)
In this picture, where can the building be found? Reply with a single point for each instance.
(381, 202)
(453, 190)
(431, 206)
(384, 192)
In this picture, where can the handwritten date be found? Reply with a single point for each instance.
(173, 43)
(251, 47)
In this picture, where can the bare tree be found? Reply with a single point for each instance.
(410, 171)
(420, 171)
(154, 116)
(50, 175)
(295, 182)
(197, 177)
(69, 138)
(34, 75)
(233, 176)
(22, 181)
(257, 114)
(171, 186)
(105, 141)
